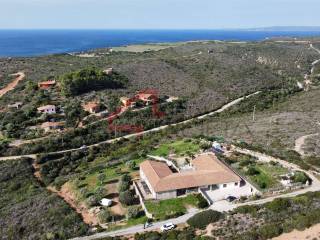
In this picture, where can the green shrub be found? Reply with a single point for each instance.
(134, 212)
(104, 216)
(126, 198)
(124, 183)
(300, 177)
(90, 79)
(92, 201)
(202, 202)
(202, 219)
(270, 231)
(252, 171)
(279, 204)
(247, 209)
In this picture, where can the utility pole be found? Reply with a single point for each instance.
(254, 113)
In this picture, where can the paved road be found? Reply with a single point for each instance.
(221, 206)
(157, 129)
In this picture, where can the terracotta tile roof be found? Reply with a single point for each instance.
(208, 170)
(155, 171)
(144, 96)
(53, 82)
(90, 105)
(47, 83)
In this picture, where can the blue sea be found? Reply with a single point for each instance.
(15, 43)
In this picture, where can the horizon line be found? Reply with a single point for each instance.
(274, 28)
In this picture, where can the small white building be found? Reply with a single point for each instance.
(48, 109)
(106, 202)
(16, 105)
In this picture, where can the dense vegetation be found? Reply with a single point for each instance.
(203, 219)
(90, 79)
(29, 211)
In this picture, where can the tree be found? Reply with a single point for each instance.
(104, 216)
(113, 103)
(74, 113)
(133, 212)
(126, 198)
(124, 183)
(90, 79)
(92, 201)
(279, 204)
(252, 171)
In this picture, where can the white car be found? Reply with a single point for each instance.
(167, 227)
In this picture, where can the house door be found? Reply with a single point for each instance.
(181, 192)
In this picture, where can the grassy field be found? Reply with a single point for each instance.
(263, 175)
(180, 148)
(266, 178)
(165, 209)
(146, 47)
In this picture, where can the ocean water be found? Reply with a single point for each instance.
(14, 43)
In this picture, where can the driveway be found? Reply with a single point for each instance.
(245, 190)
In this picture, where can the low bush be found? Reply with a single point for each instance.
(202, 202)
(202, 219)
(279, 204)
(104, 216)
(126, 198)
(134, 212)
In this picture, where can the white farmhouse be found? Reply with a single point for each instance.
(207, 174)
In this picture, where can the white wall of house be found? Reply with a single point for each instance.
(166, 195)
(49, 110)
(229, 185)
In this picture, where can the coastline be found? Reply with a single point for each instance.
(35, 43)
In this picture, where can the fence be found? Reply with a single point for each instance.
(138, 192)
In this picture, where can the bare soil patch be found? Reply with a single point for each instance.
(113, 194)
(89, 217)
(13, 84)
(310, 233)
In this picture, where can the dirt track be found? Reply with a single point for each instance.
(11, 86)
(66, 194)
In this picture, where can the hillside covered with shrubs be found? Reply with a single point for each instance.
(29, 211)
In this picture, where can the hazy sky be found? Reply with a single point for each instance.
(155, 14)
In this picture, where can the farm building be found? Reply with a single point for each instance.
(206, 173)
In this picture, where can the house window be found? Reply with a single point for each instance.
(236, 184)
(224, 185)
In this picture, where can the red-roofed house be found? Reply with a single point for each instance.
(207, 173)
(147, 98)
(47, 84)
(91, 107)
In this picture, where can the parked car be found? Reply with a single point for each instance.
(167, 227)
(83, 147)
(231, 198)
